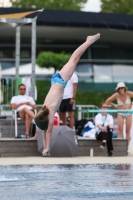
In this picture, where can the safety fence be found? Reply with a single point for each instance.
(6, 111)
(9, 88)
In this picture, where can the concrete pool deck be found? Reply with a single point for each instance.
(68, 160)
(71, 160)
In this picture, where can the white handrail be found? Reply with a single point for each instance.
(85, 107)
(6, 110)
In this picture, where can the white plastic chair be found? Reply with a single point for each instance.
(15, 119)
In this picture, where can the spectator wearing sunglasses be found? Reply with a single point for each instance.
(104, 128)
(123, 98)
(25, 106)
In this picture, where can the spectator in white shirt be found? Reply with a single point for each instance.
(25, 106)
(104, 129)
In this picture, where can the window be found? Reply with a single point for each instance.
(84, 72)
(112, 73)
(122, 73)
(120, 53)
(102, 73)
(24, 54)
(2, 54)
(100, 53)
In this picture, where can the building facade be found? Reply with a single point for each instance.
(109, 60)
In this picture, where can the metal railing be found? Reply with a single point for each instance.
(6, 111)
(81, 115)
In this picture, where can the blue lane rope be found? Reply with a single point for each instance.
(107, 111)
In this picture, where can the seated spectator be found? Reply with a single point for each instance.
(25, 106)
(104, 128)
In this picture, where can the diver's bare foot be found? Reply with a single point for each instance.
(45, 153)
(94, 38)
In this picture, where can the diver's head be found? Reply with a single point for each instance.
(42, 118)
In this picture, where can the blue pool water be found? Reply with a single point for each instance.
(62, 182)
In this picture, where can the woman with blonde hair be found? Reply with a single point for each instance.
(123, 98)
(45, 118)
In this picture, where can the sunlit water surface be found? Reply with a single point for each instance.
(61, 182)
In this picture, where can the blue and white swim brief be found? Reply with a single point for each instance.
(56, 78)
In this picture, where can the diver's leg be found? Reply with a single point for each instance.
(68, 69)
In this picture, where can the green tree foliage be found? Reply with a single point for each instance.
(117, 6)
(50, 4)
(50, 59)
(43, 87)
(82, 97)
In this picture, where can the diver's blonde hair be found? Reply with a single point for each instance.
(42, 115)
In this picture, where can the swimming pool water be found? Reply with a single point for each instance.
(62, 182)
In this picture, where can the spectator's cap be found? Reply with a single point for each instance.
(121, 84)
